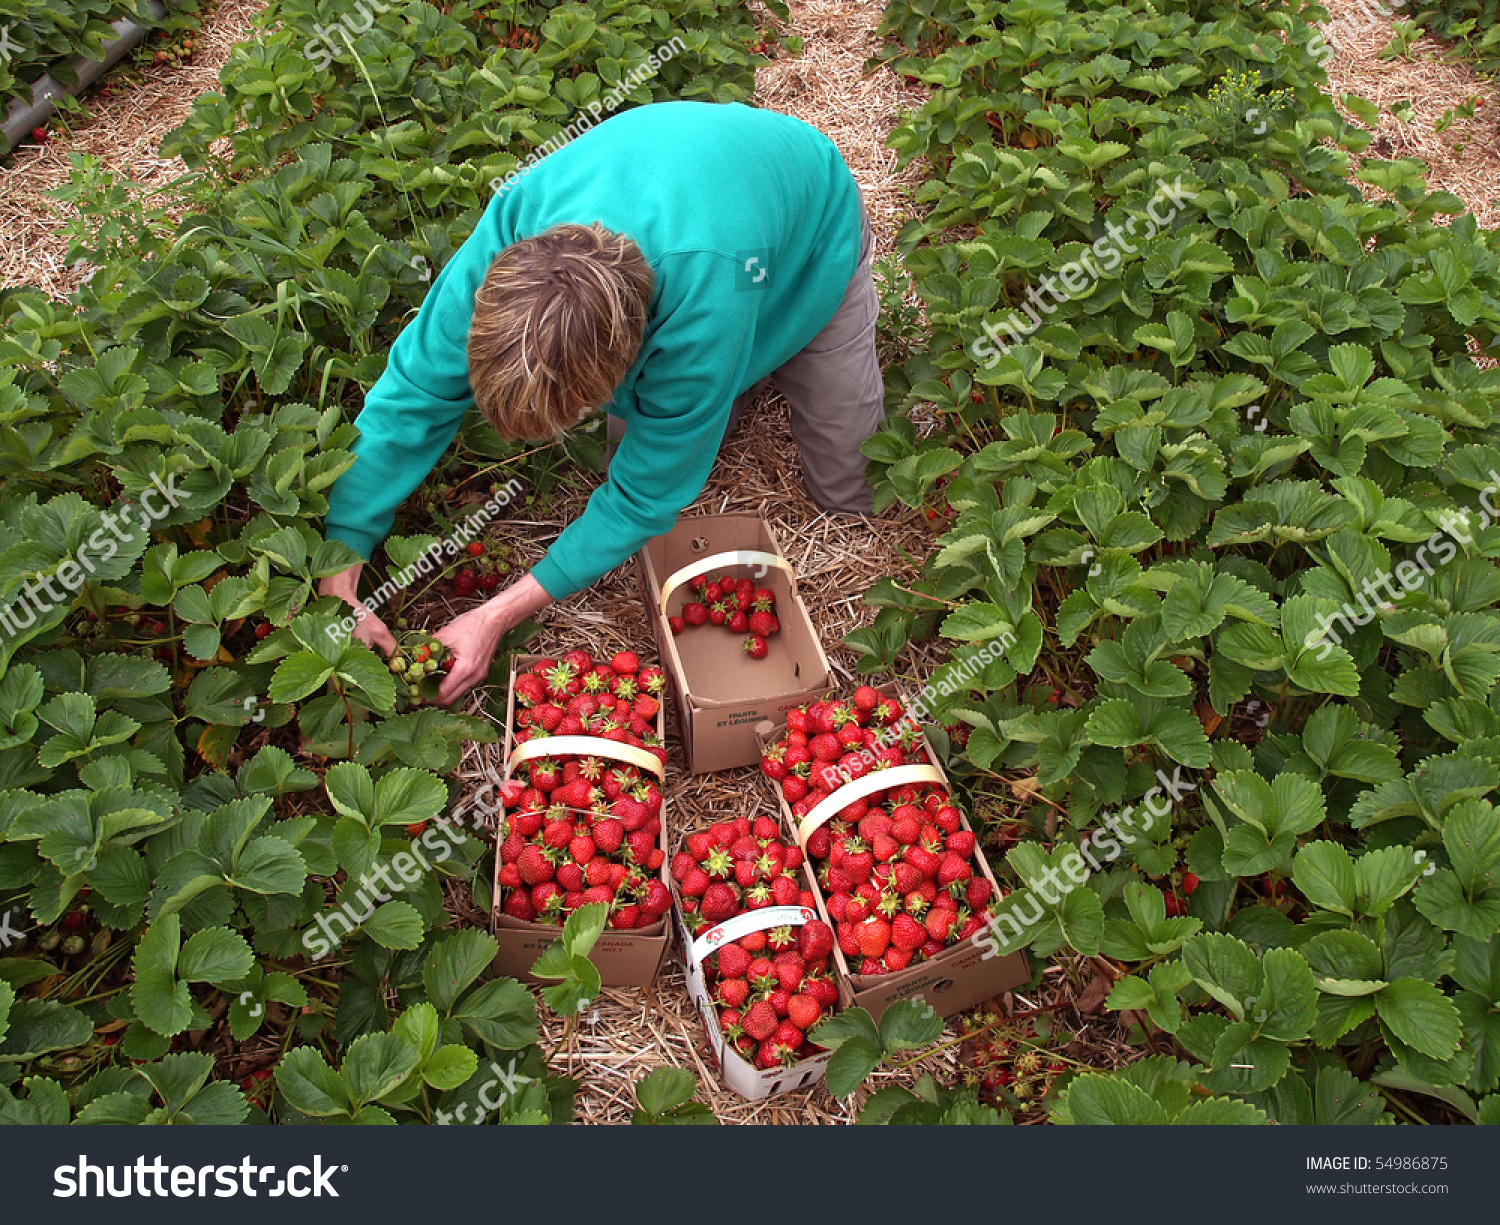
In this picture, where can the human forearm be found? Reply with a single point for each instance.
(524, 598)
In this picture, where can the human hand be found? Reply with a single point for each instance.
(474, 636)
(369, 628)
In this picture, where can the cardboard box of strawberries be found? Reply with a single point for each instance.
(899, 872)
(734, 637)
(757, 954)
(583, 819)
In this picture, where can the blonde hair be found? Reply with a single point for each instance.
(557, 324)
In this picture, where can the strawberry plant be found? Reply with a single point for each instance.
(1470, 24)
(1222, 505)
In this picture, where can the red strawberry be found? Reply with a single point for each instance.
(907, 933)
(658, 900)
(734, 961)
(465, 582)
(518, 906)
(733, 992)
(475, 548)
(534, 865)
(789, 969)
(676, 625)
(859, 865)
(760, 1021)
(262, 629)
(961, 843)
(694, 613)
(608, 834)
(763, 624)
(940, 923)
(825, 747)
(755, 647)
(874, 936)
(627, 663)
(1189, 883)
(814, 940)
(803, 1011)
(720, 902)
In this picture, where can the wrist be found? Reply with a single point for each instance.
(345, 583)
(496, 614)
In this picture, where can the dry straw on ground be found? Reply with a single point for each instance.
(124, 130)
(1432, 85)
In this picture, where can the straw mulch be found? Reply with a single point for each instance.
(1357, 30)
(124, 130)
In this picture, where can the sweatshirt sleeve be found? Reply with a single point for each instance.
(696, 364)
(412, 413)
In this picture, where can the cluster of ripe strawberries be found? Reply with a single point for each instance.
(737, 604)
(771, 987)
(483, 573)
(897, 868)
(581, 828)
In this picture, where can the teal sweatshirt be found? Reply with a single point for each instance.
(750, 222)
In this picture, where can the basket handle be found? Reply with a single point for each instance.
(876, 780)
(738, 557)
(751, 921)
(584, 746)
